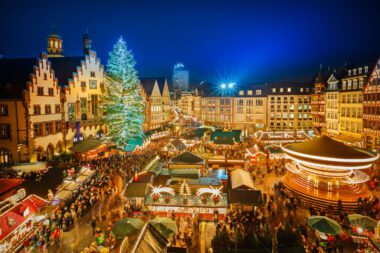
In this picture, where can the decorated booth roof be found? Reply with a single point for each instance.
(178, 144)
(325, 146)
(241, 179)
(187, 158)
(8, 184)
(86, 145)
(247, 197)
(136, 190)
(14, 217)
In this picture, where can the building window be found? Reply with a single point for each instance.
(58, 127)
(281, 89)
(40, 91)
(48, 128)
(289, 89)
(3, 110)
(258, 92)
(36, 109)
(92, 74)
(94, 105)
(241, 93)
(45, 76)
(301, 89)
(259, 102)
(57, 108)
(93, 84)
(250, 92)
(51, 91)
(307, 89)
(5, 131)
(273, 90)
(37, 130)
(366, 69)
(47, 109)
(71, 111)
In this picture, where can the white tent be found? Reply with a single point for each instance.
(241, 179)
(63, 195)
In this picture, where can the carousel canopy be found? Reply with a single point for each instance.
(324, 146)
(187, 158)
(241, 179)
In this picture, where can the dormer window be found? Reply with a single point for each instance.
(258, 92)
(289, 89)
(349, 72)
(360, 70)
(45, 76)
(281, 89)
(301, 89)
(250, 92)
(273, 90)
(354, 72)
(241, 93)
(366, 69)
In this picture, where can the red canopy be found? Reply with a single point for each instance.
(14, 217)
(8, 184)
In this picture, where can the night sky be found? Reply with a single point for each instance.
(255, 41)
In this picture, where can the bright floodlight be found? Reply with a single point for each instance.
(223, 85)
(231, 85)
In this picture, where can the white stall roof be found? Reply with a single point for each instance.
(241, 179)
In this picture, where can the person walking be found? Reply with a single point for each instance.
(93, 224)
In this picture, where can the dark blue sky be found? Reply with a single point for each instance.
(256, 41)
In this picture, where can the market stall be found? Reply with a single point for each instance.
(85, 174)
(186, 160)
(18, 221)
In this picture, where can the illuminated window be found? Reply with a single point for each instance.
(281, 89)
(92, 73)
(36, 109)
(47, 109)
(93, 84)
(273, 90)
(289, 89)
(250, 92)
(5, 131)
(241, 92)
(51, 92)
(258, 92)
(3, 110)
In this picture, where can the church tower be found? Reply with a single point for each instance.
(87, 42)
(54, 47)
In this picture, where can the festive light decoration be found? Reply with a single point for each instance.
(123, 106)
(158, 190)
(214, 191)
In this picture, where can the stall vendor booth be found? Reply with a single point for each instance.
(19, 220)
(242, 192)
(255, 155)
(65, 191)
(187, 160)
(135, 194)
(175, 145)
(89, 148)
(84, 175)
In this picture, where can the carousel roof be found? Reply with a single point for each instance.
(325, 146)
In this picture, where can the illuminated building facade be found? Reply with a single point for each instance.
(45, 102)
(324, 171)
(156, 98)
(180, 77)
(351, 104)
(318, 108)
(371, 104)
(289, 107)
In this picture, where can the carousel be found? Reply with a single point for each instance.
(326, 173)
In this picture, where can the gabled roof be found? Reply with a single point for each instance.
(148, 84)
(136, 190)
(64, 67)
(14, 74)
(241, 179)
(187, 158)
(178, 144)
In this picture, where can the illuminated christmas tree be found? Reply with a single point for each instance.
(122, 103)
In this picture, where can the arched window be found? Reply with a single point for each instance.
(45, 76)
(100, 134)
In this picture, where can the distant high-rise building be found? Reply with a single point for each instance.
(180, 77)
